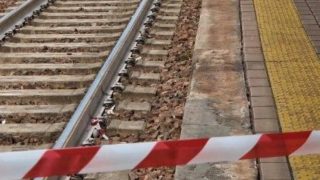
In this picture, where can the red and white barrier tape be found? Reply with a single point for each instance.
(41, 163)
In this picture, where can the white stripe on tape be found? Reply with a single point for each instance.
(15, 165)
(118, 157)
(222, 149)
(311, 146)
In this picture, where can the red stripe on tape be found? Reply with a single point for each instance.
(271, 145)
(172, 153)
(58, 162)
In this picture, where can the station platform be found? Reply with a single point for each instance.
(256, 70)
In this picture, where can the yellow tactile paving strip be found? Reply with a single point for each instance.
(294, 71)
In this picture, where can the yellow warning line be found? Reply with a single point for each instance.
(294, 70)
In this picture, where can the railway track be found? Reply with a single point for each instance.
(54, 65)
(46, 67)
(140, 93)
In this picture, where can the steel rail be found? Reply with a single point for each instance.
(80, 120)
(9, 21)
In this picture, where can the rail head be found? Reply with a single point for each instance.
(17, 16)
(72, 134)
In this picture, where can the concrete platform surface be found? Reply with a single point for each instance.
(217, 104)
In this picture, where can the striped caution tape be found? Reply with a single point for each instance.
(42, 163)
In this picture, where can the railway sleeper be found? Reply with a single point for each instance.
(155, 49)
(127, 105)
(138, 92)
(29, 134)
(49, 69)
(104, 3)
(143, 77)
(40, 96)
(124, 128)
(148, 65)
(171, 5)
(85, 15)
(71, 29)
(167, 18)
(44, 85)
(36, 113)
(162, 35)
(9, 58)
(65, 38)
(56, 47)
(46, 82)
(91, 9)
(157, 44)
(154, 52)
(80, 22)
(169, 12)
(163, 26)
